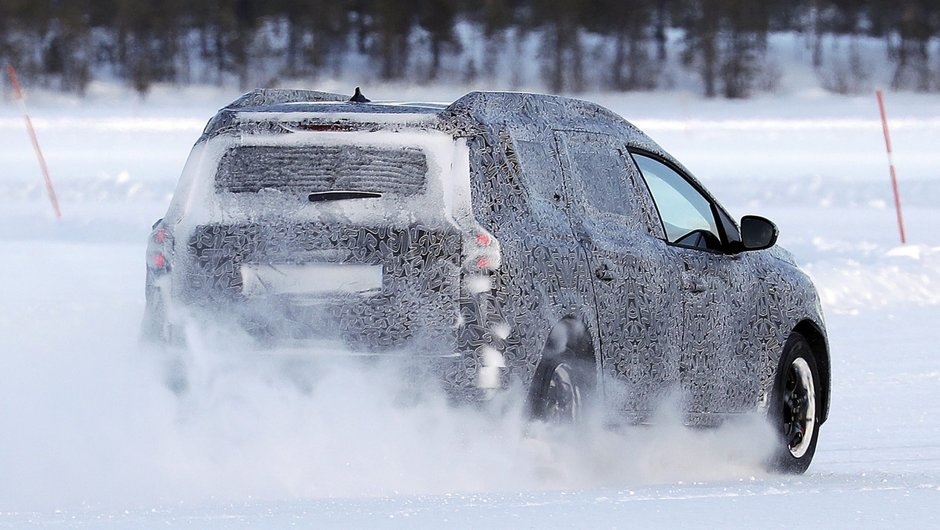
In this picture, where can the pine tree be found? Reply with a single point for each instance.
(392, 27)
(437, 18)
(562, 53)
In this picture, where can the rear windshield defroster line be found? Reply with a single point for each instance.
(311, 169)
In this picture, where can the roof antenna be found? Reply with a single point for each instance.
(359, 98)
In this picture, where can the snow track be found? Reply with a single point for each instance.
(90, 438)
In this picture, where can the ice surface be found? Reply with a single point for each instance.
(92, 439)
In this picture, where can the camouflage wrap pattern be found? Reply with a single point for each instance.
(662, 318)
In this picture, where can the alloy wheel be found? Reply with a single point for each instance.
(562, 396)
(799, 408)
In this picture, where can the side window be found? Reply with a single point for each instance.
(539, 167)
(686, 214)
(599, 164)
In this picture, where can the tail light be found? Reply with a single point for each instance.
(159, 249)
(481, 256)
(481, 251)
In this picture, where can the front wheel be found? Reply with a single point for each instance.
(795, 406)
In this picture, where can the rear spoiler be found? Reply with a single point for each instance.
(261, 97)
(274, 96)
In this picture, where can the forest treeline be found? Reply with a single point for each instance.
(602, 44)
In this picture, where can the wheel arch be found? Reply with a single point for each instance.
(570, 338)
(820, 346)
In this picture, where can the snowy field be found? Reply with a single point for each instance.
(90, 438)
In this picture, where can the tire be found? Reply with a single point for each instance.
(795, 407)
(560, 390)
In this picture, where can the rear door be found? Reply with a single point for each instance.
(637, 296)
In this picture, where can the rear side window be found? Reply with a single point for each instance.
(539, 166)
(598, 163)
(317, 168)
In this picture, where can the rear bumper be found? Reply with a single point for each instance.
(458, 357)
(458, 375)
(366, 325)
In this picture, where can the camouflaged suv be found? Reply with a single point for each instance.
(503, 239)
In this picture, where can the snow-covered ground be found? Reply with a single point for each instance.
(90, 438)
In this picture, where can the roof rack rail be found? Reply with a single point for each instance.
(274, 96)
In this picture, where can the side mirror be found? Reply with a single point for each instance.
(757, 233)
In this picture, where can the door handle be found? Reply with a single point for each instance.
(604, 273)
(694, 285)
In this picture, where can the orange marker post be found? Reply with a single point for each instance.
(894, 178)
(32, 136)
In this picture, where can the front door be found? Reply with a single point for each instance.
(717, 372)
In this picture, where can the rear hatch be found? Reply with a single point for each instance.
(333, 236)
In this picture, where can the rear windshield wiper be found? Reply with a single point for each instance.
(339, 195)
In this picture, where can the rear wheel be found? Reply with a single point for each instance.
(561, 387)
(795, 406)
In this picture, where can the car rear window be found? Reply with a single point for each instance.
(318, 168)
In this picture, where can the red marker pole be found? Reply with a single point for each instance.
(32, 136)
(894, 178)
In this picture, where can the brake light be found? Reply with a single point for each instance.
(481, 251)
(160, 249)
